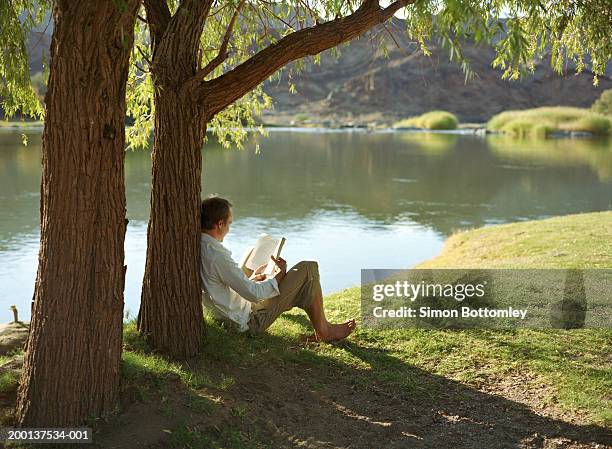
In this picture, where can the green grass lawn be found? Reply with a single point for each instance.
(571, 241)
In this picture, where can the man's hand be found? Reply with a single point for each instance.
(260, 269)
(282, 267)
(258, 275)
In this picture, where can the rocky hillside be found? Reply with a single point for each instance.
(363, 86)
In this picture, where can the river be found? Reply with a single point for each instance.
(348, 199)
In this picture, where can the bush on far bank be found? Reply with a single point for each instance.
(603, 105)
(540, 122)
(434, 120)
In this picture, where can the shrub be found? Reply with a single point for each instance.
(592, 123)
(301, 117)
(439, 120)
(540, 122)
(39, 83)
(517, 127)
(498, 121)
(603, 105)
(542, 130)
(434, 120)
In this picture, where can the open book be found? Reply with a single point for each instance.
(265, 247)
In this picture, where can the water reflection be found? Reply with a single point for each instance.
(594, 153)
(350, 200)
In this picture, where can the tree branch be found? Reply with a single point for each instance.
(194, 12)
(176, 55)
(158, 17)
(390, 33)
(313, 15)
(219, 92)
(143, 55)
(277, 17)
(222, 55)
(369, 4)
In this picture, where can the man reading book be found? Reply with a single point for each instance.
(252, 303)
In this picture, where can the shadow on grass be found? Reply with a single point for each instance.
(483, 420)
(438, 409)
(275, 392)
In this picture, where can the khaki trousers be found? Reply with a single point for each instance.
(297, 289)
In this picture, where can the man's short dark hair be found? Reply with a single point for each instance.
(212, 210)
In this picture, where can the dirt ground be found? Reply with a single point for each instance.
(290, 406)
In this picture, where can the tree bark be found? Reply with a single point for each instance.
(73, 352)
(171, 316)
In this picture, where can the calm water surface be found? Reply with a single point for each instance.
(349, 200)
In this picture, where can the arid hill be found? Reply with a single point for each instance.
(363, 86)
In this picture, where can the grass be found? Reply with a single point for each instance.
(576, 362)
(572, 241)
(9, 380)
(569, 370)
(573, 366)
(433, 120)
(301, 118)
(603, 105)
(540, 122)
(146, 370)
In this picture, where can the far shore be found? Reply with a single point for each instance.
(477, 129)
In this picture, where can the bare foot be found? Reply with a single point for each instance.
(336, 332)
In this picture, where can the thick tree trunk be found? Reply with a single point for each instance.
(73, 353)
(170, 315)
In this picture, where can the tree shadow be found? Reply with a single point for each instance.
(426, 410)
(282, 395)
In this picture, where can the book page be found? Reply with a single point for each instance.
(244, 259)
(271, 267)
(264, 248)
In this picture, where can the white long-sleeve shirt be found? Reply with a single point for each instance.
(228, 292)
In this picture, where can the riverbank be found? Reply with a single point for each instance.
(571, 241)
(405, 387)
(290, 122)
(550, 122)
(21, 125)
(320, 126)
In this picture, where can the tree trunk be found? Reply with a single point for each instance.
(171, 316)
(73, 353)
